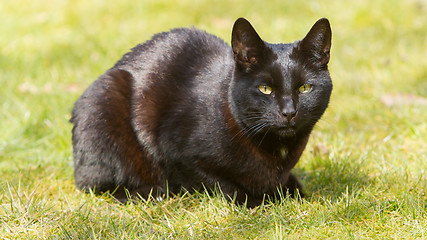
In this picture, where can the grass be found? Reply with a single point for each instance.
(363, 170)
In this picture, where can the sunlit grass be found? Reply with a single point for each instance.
(363, 170)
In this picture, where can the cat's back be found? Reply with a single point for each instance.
(181, 50)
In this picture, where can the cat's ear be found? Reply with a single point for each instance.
(316, 46)
(248, 47)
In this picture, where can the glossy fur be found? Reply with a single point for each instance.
(183, 110)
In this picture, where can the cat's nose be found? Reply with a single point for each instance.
(289, 114)
(288, 108)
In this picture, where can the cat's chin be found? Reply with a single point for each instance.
(286, 132)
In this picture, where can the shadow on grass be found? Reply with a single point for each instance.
(329, 178)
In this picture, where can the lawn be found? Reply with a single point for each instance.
(364, 169)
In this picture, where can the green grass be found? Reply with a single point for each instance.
(363, 170)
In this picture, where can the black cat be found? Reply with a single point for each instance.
(184, 110)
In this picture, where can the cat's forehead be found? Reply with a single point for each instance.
(284, 70)
(282, 53)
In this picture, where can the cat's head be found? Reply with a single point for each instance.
(280, 89)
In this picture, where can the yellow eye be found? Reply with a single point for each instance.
(265, 89)
(305, 88)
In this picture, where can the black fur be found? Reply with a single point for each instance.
(184, 110)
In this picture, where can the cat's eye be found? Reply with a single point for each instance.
(265, 89)
(305, 88)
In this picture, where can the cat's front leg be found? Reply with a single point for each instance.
(294, 187)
